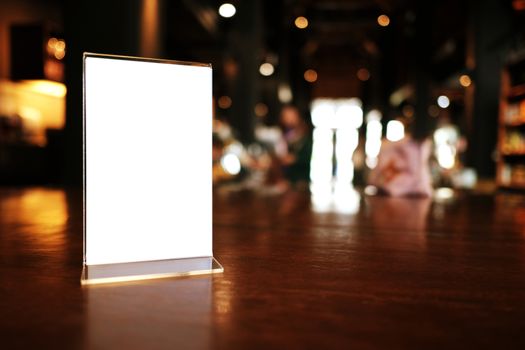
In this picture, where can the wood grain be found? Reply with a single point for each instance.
(333, 271)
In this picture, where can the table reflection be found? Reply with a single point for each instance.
(403, 221)
(339, 198)
(157, 314)
(39, 210)
(39, 216)
(407, 214)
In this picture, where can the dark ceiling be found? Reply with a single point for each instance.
(425, 39)
(342, 35)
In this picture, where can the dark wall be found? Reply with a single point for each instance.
(491, 20)
(92, 26)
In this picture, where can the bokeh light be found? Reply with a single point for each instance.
(231, 164)
(443, 101)
(260, 109)
(310, 76)
(224, 102)
(227, 10)
(395, 131)
(363, 74)
(266, 69)
(465, 80)
(383, 20)
(301, 22)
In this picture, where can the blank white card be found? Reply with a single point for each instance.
(147, 152)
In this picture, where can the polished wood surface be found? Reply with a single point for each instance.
(329, 270)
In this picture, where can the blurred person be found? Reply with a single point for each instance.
(218, 172)
(223, 138)
(403, 168)
(272, 141)
(296, 160)
(449, 151)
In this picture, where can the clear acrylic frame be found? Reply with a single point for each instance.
(97, 273)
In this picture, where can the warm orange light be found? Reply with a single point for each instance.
(261, 110)
(45, 213)
(40, 103)
(363, 74)
(60, 45)
(46, 87)
(301, 22)
(310, 76)
(56, 47)
(224, 102)
(408, 111)
(383, 20)
(51, 43)
(465, 80)
(60, 54)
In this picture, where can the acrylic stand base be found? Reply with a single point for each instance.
(113, 273)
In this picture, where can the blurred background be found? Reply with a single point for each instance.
(305, 92)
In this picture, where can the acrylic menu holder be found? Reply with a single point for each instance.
(147, 185)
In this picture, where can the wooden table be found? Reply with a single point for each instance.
(332, 270)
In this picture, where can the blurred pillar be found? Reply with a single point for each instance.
(491, 22)
(284, 76)
(99, 26)
(470, 64)
(246, 47)
(152, 28)
(423, 39)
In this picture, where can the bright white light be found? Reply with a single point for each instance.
(444, 193)
(227, 10)
(266, 69)
(346, 198)
(235, 148)
(344, 116)
(443, 101)
(446, 156)
(284, 93)
(395, 130)
(345, 145)
(340, 198)
(337, 113)
(445, 139)
(371, 162)
(321, 167)
(374, 114)
(323, 114)
(354, 101)
(231, 164)
(349, 116)
(370, 190)
(153, 156)
(321, 196)
(465, 178)
(374, 131)
(441, 136)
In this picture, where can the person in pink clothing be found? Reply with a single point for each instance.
(403, 168)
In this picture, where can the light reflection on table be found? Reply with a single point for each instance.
(164, 314)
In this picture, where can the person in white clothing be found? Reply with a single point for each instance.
(403, 168)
